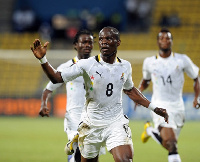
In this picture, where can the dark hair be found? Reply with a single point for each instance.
(81, 32)
(114, 31)
(164, 30)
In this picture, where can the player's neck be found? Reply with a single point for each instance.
(164, 54)
(110, 59)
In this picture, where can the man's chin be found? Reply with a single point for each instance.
(165, 49)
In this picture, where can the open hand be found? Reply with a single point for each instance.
(38, 50)
(162, 112)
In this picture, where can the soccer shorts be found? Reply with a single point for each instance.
(71, 122)
(92, 138)
(176, 121)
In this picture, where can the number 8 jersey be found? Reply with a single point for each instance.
(167, 75)
(104, 83)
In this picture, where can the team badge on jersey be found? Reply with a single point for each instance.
(122, 76)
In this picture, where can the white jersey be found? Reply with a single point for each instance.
(104, 83)
(75, 88)
(167, 75)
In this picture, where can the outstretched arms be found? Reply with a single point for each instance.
(139, 98)
(39, 52)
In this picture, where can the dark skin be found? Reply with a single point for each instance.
(108, 44)
(165, 42)
(84, 48)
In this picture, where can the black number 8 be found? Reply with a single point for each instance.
(109, 91)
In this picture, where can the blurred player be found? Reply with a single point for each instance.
(83, 44)
(105, 76)
(166, 70)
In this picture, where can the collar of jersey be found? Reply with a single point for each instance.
(101, 60)
(158, 56)
(75, 59)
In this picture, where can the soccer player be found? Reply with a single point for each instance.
(105, 76)
(166, 70)
(83, 44)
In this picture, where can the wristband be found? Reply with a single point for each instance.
(43, 60)
(151, 106)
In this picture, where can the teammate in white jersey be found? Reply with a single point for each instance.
(105, 76)
(83, 44)
(166, 70)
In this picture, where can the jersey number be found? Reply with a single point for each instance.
(109, 89)
(168, 80)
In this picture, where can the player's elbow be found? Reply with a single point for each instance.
(56, 80)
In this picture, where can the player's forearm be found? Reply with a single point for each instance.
(138, 97)
(196, 87)
(144, 84)
(45, 96)
(51, 73)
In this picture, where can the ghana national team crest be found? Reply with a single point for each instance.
(122, 76)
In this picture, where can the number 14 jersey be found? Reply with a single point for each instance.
(167, 75)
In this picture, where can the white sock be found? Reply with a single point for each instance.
(174, 158)
(72, 159)
(154, 134)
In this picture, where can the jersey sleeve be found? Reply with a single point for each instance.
(129, 82)
(72, 72)
(50, 86)
(190, 68)
(145, 71)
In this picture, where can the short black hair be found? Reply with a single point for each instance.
(164, 30)
(81, 32)
(114, 31)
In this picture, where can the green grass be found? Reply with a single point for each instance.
(43, 139)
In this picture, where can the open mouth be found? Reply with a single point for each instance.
(104, 49)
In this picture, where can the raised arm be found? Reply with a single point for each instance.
(39, 52)
(196, 103)
(139, 98)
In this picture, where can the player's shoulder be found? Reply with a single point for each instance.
(181, 56)
(65, 65)
(122, 61)
(150, 59)
(85, 63)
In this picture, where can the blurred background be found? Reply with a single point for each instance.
(22, 79)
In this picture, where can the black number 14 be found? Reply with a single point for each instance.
(168, 80)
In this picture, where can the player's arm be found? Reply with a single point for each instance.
(196, 102)
(44, 111)
(144, 84)
(139, 98)
(39, 52)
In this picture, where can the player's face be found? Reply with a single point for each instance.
(84, 46)
(164, 40)
(108, 42)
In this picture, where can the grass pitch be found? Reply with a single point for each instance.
(43, 139)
